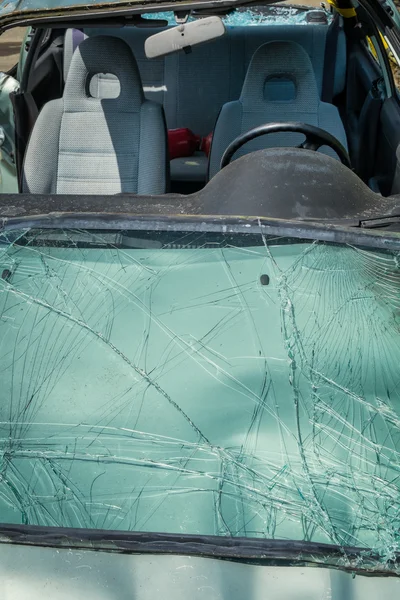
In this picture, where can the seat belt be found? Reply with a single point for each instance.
(25, 114)
(345, 10)
(328, 81)
(368, 130)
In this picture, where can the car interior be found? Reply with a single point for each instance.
(94, 115)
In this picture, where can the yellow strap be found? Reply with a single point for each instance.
(372, 48)
(385, 45)
(346, 13)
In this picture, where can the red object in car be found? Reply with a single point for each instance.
(205, 144)
(182, 142)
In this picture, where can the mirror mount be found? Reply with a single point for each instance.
(181, 16)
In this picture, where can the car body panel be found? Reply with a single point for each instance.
(85, 575)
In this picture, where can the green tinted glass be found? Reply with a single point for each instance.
(201, 385)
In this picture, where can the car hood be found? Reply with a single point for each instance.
(61, 573)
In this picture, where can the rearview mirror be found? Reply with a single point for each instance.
(184, 36)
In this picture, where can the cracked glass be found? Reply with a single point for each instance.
(198, 383)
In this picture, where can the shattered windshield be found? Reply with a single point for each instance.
(278, 14)
(195, 383)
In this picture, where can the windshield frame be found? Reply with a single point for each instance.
(173, 213)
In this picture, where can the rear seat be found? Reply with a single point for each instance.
(193, 87)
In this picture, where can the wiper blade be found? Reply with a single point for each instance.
(376, 222)
(249, 550)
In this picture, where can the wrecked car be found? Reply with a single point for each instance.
(200, 301)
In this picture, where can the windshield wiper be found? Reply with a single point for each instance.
(376, 222)
(243, 549)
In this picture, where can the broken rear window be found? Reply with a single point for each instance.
(280, 14)
(201, 384)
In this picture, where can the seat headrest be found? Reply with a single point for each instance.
(288, 65)
(97, 55)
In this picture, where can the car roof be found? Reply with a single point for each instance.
(26, 11)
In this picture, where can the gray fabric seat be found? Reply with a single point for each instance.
(99, 139)
(280, 85)
(193, 87)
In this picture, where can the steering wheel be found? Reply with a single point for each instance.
(315, 138)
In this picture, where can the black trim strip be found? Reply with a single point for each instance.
(258, 550)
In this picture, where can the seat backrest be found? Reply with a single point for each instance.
(98, 139)
(280, 85)
(281, 75)
(193, 87)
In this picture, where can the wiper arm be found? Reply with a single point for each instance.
(250, 550)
